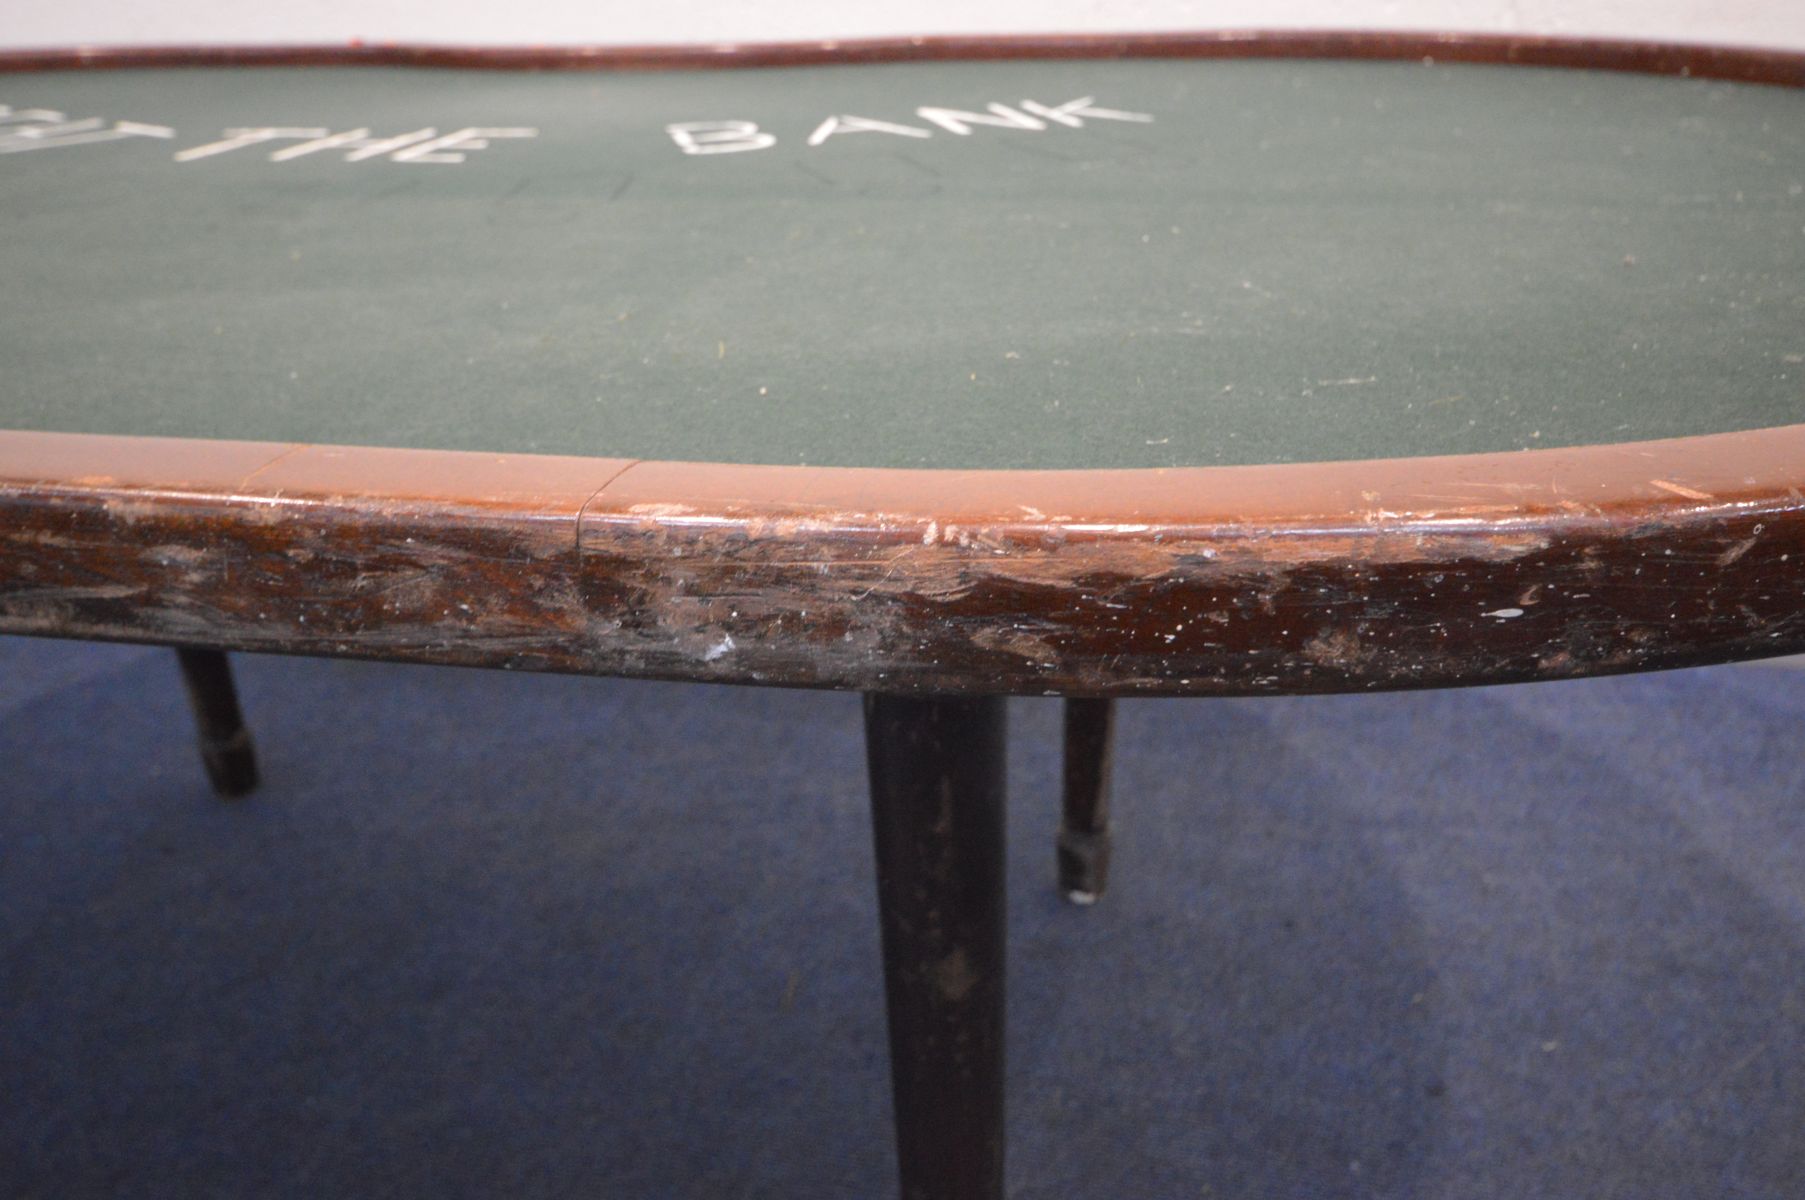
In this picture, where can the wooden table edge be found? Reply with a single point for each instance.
(1747, 64)
(1202, 581)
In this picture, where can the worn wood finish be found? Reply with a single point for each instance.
(1742, 64)
(1084, 842)
(1210, 581)
(225, 741)
(426, 557)
(937, 820)
(1207, 581)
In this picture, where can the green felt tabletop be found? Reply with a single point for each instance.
(1209, 262)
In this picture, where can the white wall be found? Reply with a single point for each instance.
(119, 22)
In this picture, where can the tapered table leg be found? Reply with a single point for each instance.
(1084, 842)
(937, 813)
(225, 742)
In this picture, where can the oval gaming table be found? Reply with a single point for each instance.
(942, 371)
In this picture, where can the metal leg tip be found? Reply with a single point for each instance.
(1083, 865)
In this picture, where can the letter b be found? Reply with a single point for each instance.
(719, 137)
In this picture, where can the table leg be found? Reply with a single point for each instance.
(225, 742)
(937, 814)
(1084, 843)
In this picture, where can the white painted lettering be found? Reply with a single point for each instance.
(958, 121)
(238, 139)
(451, 147)
(1071, 112)
(31, 136)
(332, 141)
(380, 146)
(28, 116)
(136, 129)
(849, 124)
(719, 137)
(77, 133)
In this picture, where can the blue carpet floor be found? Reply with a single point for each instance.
(489, 935)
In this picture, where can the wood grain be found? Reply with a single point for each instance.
(1743, 64)
(1203, 581)
(423, 556)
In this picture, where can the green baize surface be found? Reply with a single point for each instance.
(1287, 261)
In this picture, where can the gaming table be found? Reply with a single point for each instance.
(939, 370)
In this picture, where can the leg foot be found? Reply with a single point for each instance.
(1084, 842)
(937, 814)
(224, 740)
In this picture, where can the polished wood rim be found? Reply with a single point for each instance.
(1198, 581)
(1745, 64)
(1195, 581)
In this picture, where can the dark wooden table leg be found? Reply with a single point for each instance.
(225, 742)
(1090, 727)
(937, 813)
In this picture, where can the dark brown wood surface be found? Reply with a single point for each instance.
(937, 820)
(422, 556)
(1744, 64)
(1205, 581)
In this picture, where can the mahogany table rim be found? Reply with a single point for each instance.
(1289, 577)
(1750, 64)
(1202, 580)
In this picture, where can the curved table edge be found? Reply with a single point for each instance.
(1312, 577)
(1704, 60)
